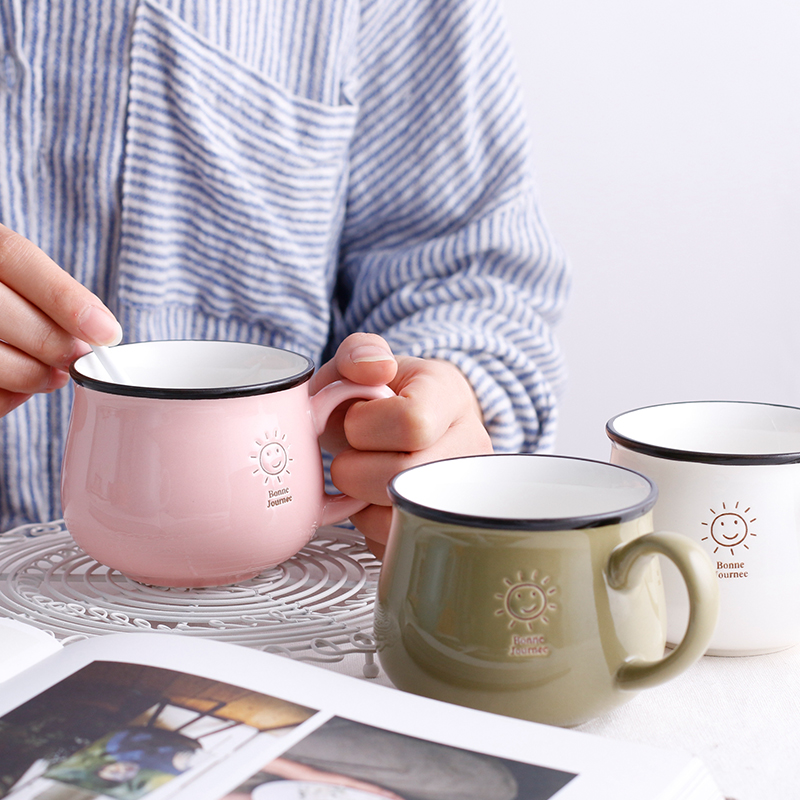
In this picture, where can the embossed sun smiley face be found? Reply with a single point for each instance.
(272, 458)
(526, 600)
(730, 527)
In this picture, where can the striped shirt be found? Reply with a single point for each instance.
(283, 172)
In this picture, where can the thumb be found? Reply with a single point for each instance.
(365, 358)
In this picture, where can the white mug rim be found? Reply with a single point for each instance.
(655, 450)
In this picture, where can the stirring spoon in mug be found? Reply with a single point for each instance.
(109, 364)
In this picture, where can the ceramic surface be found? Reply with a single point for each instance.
(729, 479)
(201, 472)
(524, 585)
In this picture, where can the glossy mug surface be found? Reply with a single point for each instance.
(728, 475)
(525, 585)
(204, 468)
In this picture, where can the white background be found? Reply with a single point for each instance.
(667, 145)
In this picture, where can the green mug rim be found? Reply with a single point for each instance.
(579, 522)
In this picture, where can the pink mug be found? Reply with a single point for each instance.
(203, 467)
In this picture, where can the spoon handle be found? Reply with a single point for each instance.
(109, 364)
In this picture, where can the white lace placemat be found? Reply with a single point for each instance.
(317, 606)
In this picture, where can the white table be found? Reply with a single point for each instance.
(740, 716)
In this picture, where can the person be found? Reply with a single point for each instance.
(349, 179)
(342, 753)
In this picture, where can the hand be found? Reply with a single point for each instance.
(435, 415)
(46, 320)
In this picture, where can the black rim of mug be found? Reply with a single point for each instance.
(207, 393)
(584, 521)
(699, 456)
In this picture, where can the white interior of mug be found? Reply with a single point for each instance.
(535, 491)
(181, 365)
(713, 427)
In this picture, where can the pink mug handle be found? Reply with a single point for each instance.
(338, 507)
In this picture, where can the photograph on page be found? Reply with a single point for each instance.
(126, 731)
(345, 760)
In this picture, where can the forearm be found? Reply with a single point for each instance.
(444, 250)
(490, 312)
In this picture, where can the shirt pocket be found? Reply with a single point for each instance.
(233, 194)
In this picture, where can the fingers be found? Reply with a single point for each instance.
(34, 336)
(363, 358)
(44, 306)
(374, 522)
(435, 415)
(432, 396)
(23, 374)
(10, 400)
(366, 474)
(47, 320)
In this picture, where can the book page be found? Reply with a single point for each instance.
(352, 761)
(22, 646)
(161, 716)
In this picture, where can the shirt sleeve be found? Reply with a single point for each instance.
(444, 250)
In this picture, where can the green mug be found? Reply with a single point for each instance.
(525, 585)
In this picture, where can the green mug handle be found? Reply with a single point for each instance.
(625, 569)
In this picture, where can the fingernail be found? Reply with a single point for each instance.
(368, 352)
(99, 326)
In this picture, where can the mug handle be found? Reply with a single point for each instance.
(626, 566)
(338, 507)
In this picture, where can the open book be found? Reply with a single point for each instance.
(156, 716)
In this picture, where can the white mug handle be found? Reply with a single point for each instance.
(338, 507)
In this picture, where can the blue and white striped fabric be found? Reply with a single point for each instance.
(285, 172)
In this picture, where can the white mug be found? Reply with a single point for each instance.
(728, 475)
